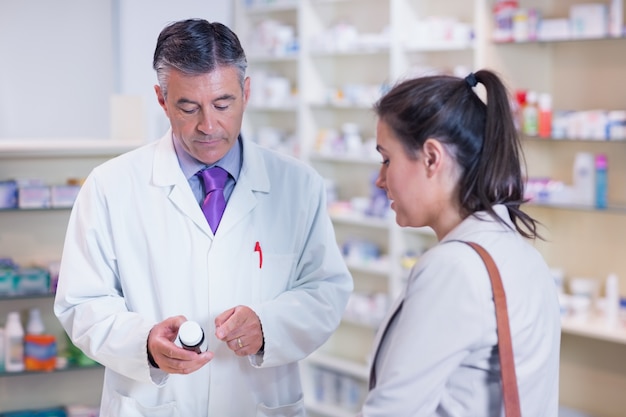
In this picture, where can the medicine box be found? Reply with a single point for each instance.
(590, 20)
(35, 196)
(8, 194)
(63, 195)
(32, 281)
(8, 278)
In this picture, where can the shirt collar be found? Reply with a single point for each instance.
(231, 162)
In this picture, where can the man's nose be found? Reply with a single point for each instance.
(208, 122)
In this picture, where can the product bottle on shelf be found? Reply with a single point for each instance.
(518, 109)
(601, 164)
(14, 343)
(1, 349)
(35, 324)
(616, 18)
(40, 349)
(530, 115)
(503, 12)
(584, 181)
(611, 293)
(545, 115)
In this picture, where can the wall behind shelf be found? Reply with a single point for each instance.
(68, 56)
(57, 69)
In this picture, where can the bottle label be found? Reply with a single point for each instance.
(15, 351)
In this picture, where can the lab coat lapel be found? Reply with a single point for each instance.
(253, 178)
(166, 173)
(387, 321)
(382, 330)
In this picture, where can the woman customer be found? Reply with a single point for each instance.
(453, 162)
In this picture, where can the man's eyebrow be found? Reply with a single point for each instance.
(229, 97)
(225, 97)
(186, 101)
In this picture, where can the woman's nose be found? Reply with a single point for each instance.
(380, 183)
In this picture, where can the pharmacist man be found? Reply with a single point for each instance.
(269, 286)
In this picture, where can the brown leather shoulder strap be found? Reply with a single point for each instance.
(507, 363)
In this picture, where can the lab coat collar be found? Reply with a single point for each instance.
(166, 172)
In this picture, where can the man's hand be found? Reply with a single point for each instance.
(240, 328)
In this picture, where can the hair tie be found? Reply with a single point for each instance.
(471, 80)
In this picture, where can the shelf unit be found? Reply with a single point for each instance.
(336, 79)
(595, 327)
(580, 74)
(35, 237)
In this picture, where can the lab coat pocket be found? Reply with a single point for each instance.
(272, 274)
(290, 410)
(130, 407)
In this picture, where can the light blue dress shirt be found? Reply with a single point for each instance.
(231, 162)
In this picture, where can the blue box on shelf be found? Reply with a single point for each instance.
(50, 412)
(8, 277)
(32, 281)
(8, 194)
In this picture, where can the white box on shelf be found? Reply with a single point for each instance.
(589, 20)
(34, 196)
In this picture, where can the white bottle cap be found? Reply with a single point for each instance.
(190, 333)
(545, 101)
(35, 324)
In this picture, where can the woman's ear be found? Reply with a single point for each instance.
(433, 153)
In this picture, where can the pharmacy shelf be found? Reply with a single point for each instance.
(26, 296)
(359, 219)
(35, 236)
(440, 47)
(69, 368)
(328, 410)
(355, 369)
(272, 7)
(267, 58)
(594, 327)
(359, 323)
(374, 267)
(278, 108)
(565, 40)
(339, 106)
(616, 209)
(11, 148)
(351, 53)
(345, 158)
(587, 237)
(569, 140)
(34, 209)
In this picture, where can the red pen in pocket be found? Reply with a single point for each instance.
(257, 248)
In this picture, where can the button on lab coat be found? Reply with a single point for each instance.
(138, 250)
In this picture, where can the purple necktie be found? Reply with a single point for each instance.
(214, 203)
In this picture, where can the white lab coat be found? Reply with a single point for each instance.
(138, 250)
(435, 353)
